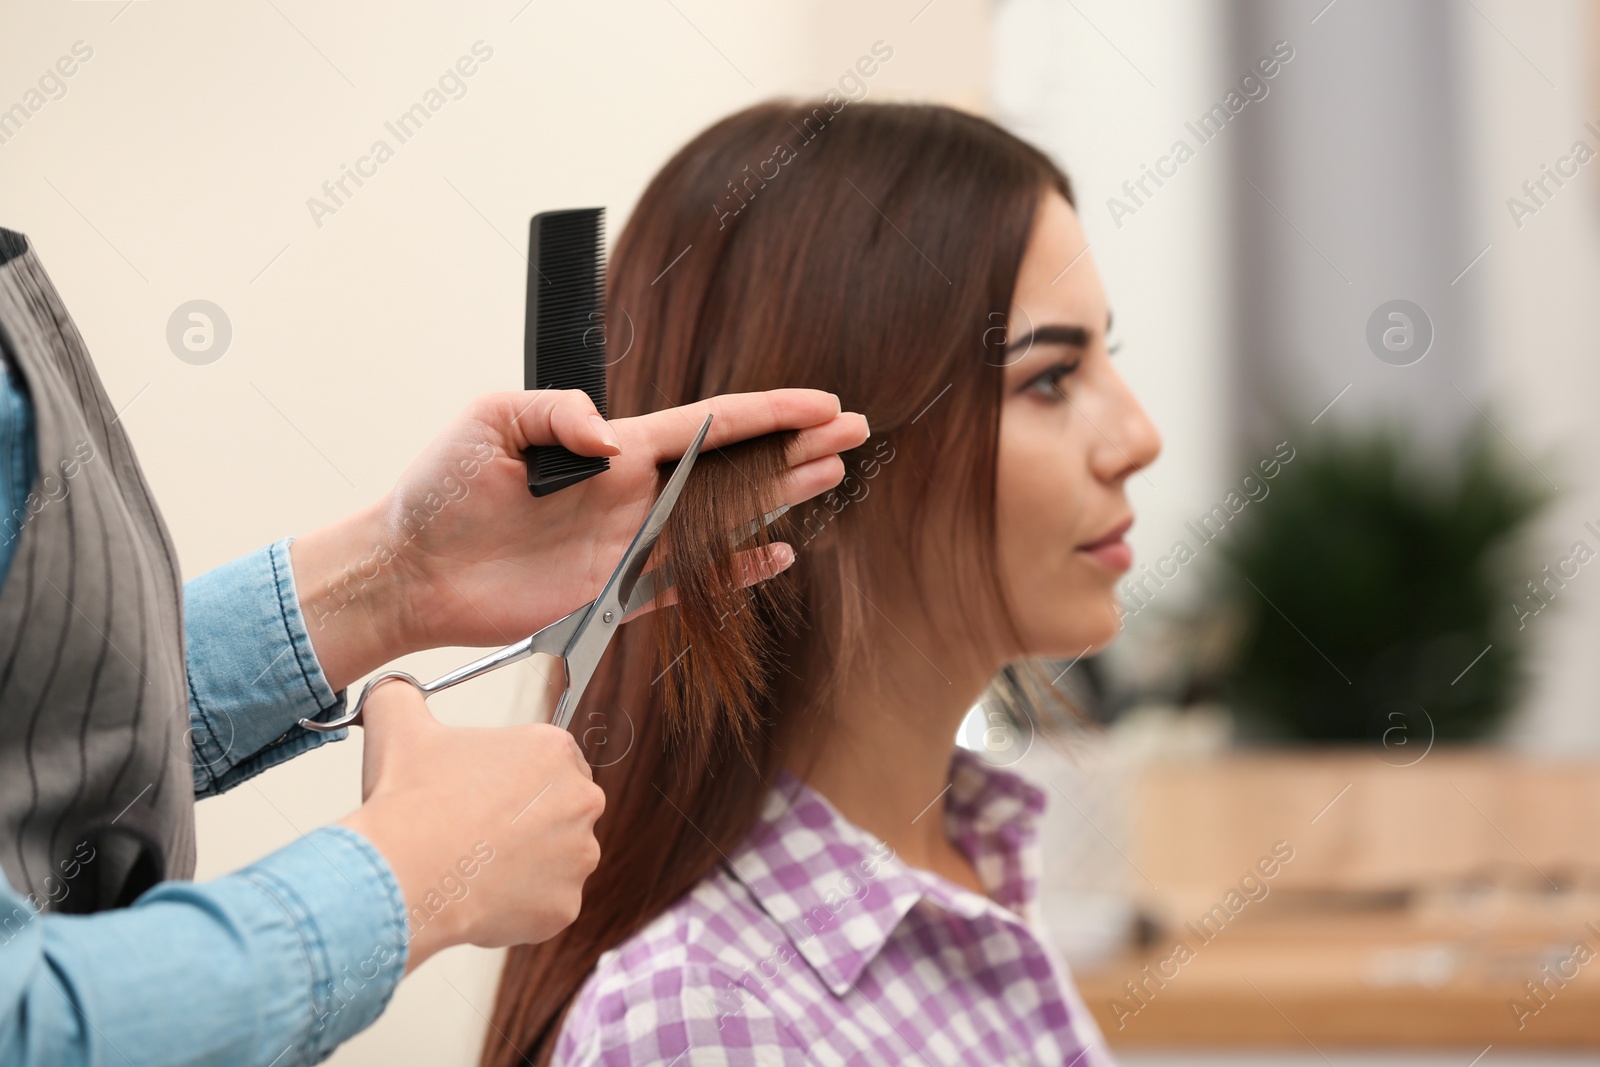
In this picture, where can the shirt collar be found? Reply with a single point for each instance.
(992, 816)
(839, 892)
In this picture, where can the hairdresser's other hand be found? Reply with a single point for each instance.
(489, 831)
(460, 553)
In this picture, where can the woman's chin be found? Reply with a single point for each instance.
(1086, 637)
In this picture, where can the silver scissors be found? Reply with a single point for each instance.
(579, 639)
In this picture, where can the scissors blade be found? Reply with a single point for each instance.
(658, 581)
(644, 541)
(583, 652)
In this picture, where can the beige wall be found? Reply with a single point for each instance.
(1525, 112)
(177, 166)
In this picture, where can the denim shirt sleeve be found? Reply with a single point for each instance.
(272, 966)
(252, 672)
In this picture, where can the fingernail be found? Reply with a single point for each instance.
(603, 430)
(782, 555)
(837, 403)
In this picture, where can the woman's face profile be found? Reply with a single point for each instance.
(1071, 434)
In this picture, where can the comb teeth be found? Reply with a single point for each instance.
(564, 345)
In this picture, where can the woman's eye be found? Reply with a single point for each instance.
(1048, 384)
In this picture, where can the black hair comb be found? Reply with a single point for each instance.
(564, 346)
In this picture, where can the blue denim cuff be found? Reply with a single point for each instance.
(320, 929)
(342, 897)
(252, 671)
(273, 966)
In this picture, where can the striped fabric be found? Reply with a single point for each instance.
(815, 944)
(96, 787)
(18, 460)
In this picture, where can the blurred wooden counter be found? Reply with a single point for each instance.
(1421, 905)
(1323, 983)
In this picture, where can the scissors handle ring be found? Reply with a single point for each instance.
(353, 716)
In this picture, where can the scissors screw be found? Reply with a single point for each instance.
(608, 616)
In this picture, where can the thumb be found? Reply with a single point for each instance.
(566, 417)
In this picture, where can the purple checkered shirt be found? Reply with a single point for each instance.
(814, 944)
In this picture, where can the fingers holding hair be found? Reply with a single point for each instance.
(751, 565)
(735, 417)
(569, 418)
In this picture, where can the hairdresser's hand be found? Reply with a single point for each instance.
(490, 832)
(460, 553)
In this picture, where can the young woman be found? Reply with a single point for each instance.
(797, 865)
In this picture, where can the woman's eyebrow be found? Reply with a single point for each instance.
(1075, 336)
(1057, 334)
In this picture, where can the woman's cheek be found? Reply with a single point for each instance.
(1016, 489)
(1061, 599)
(1046, 469)
(1037, 511)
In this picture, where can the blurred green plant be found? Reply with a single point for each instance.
(1368, 583)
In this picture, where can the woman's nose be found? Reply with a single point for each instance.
(1133, 440)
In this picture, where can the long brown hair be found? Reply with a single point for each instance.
(871, 252)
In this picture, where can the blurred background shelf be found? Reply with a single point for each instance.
(1415, 906)
(1284, 985)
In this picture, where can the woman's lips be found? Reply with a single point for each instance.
(1111, 550)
